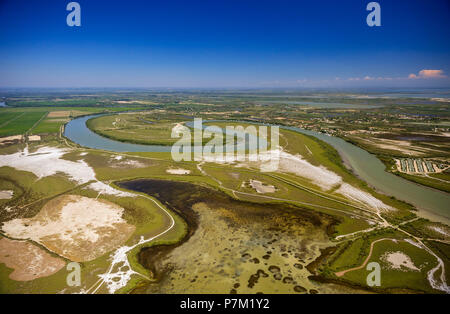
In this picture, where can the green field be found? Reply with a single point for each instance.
(298, 224)
(398, 278)
(23, 123)
(134, 128)
(16, 121)
(441, 183)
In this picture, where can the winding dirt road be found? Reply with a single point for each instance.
(342, 273)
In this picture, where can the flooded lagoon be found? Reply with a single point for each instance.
(234, 246)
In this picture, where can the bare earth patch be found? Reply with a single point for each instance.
(127, 163)
(47, 161)
(399, 261)
(75, 227)
(6, 195)
(28, 261)
(65, 113)
(261, 187)
(362, 197)
(297, 165)
(11, 138)
(178, 171)
(34, 138)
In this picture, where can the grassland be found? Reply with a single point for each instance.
(402, 279)
(44, 119)
(134, 128)
(22, 123)
(439, 181)
(355, 253)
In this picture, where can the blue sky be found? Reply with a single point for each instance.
(224, 43)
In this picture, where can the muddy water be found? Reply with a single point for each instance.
(233, 246)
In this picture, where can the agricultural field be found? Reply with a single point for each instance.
(21, 123)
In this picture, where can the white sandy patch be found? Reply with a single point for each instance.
(34, 138)
(327, 179)
(47, 161)
(439, 230)
(73, 216)
(362, 197)
(178, 127)
(79, 228)
(28, 261)
(262, 188)
(120, 271)
(412, 242)
(178, 171)
(6, 195)
(119, 162)
(319, 175)
(441, 99)
(103, 188)
(399, 261)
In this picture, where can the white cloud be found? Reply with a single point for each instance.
(428, 74)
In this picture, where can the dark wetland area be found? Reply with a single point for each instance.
(233, 246)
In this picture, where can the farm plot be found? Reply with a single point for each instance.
(21, 124)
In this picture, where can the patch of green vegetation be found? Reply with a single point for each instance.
(52, 284)
(351, 254)
(429, 181)
(424, 228)
(134, 128)
(30, 192)
(403, 278)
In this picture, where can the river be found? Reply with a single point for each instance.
(432, 204)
